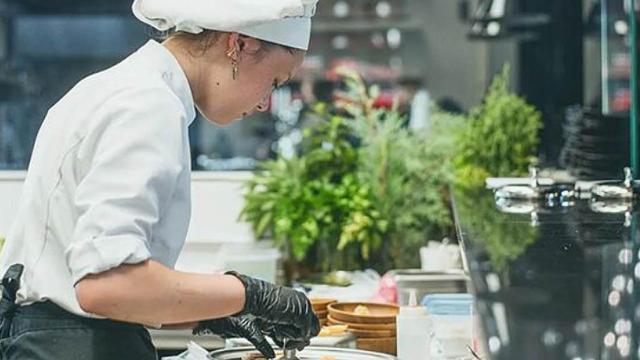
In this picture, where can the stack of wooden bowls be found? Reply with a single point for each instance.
(320, 308)
(374, 325)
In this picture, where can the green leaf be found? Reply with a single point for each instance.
(261, 227)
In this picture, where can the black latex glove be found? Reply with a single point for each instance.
(281, 308)
(281, 334)
(245, 326)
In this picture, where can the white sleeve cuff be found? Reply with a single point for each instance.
(104, 253)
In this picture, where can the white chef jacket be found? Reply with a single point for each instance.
(109, 179)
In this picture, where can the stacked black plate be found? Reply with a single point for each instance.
(596, 145)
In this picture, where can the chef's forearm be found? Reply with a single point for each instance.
(151, 293)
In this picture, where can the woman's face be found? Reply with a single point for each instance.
(260, 71)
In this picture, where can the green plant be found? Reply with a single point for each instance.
(500, 138)
(364, 190)
(314, 204)
(408, 173)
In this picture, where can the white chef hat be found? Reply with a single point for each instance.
(285, 22)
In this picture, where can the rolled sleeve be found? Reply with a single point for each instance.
(132, 160)
(104, 253)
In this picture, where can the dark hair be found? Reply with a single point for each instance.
(208, 38)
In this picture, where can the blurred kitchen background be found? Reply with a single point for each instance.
(419, 51)
(571, 60)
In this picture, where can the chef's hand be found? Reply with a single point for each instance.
(245, 326)
(285, 338)
(285, 311)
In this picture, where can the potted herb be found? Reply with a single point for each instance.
(500, 138)
(364, 191)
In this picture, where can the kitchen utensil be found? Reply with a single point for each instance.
(521, 191)
(552, 203)
(549, 194)
(310, 353)
(511, 206)
(615, 189)
(534, 191)
(473, 353)
(611, 206)
(289, 355)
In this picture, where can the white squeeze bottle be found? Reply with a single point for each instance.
(414, 329)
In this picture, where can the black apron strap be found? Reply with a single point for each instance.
(8, 306)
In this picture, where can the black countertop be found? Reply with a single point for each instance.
(553, 284)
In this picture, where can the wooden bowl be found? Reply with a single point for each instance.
(384, 345)
(360, 326)
(372, 333)
(320, 304)
(322, 313)
(378, 313)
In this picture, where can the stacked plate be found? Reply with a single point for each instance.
(320, 308)
(595, 144)
(374, 325)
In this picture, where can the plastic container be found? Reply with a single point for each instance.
(449, 304)
(452, 316)
(414, 331)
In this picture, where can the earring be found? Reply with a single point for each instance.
(233, 55)
(234, 70)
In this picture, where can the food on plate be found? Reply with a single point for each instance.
(362, 310)
(333, 330)
(258, 356)
(327, 358)
(253, 357)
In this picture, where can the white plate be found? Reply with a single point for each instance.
(310, 353)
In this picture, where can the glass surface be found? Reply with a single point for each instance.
(554, 282)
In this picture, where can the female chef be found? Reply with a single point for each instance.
(106, 203)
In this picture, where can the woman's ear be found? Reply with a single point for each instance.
(233, 44)
(249, 45)
(238, 44)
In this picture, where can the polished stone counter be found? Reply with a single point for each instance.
(552, 282)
